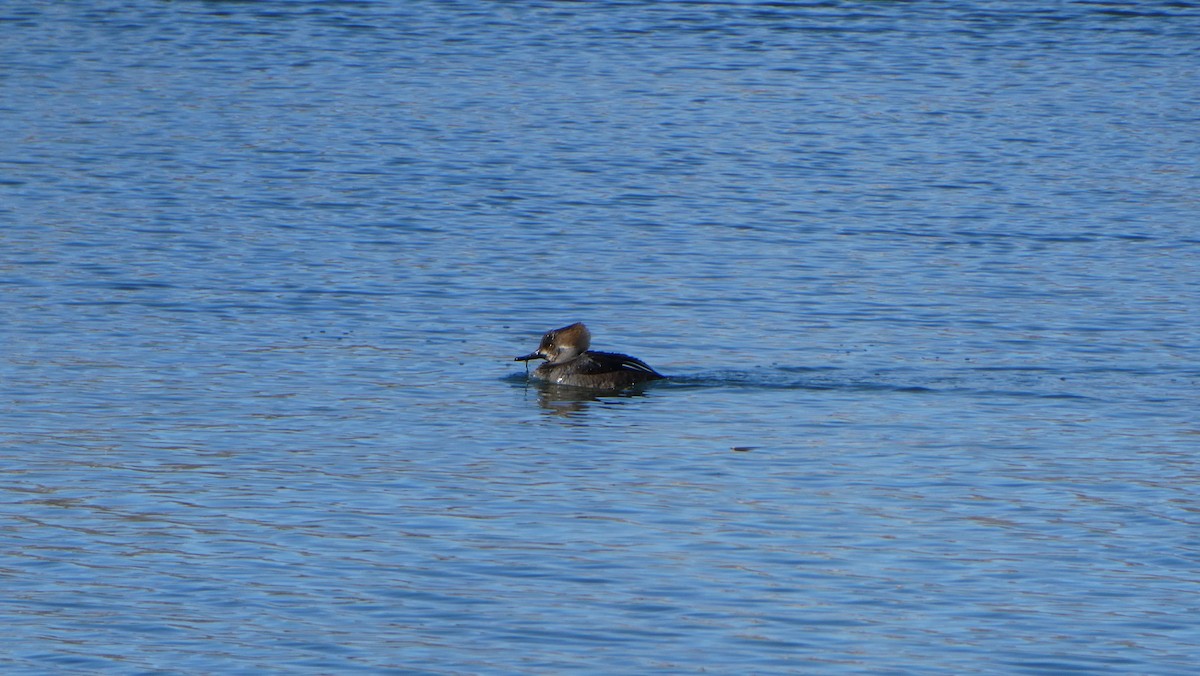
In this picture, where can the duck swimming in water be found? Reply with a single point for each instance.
(570, 362)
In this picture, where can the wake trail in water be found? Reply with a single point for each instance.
(977, 382)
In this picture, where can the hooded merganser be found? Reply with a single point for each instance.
(569, 362)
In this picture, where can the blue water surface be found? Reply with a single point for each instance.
(925, 276)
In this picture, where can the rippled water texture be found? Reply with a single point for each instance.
(924, 276)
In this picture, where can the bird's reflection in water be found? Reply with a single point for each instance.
(568, 401)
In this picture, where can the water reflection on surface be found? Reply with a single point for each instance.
(923, 278)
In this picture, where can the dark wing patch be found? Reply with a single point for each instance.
(607, 362)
